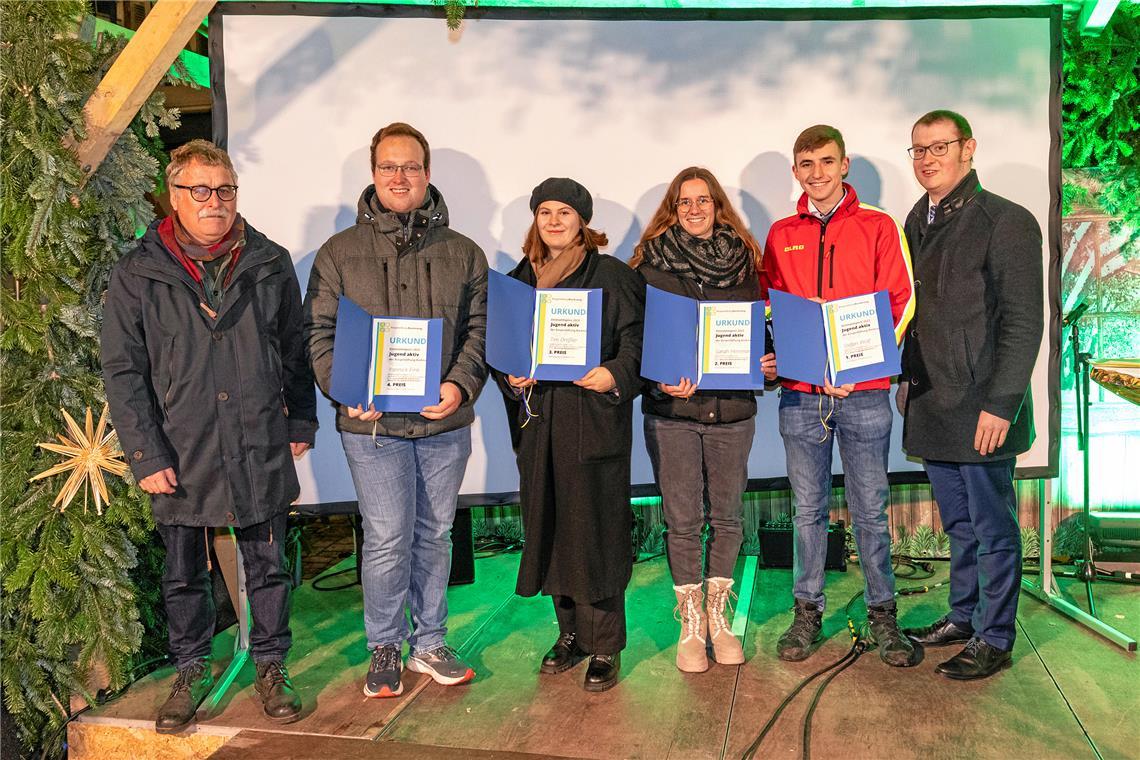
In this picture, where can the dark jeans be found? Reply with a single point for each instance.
(187, 590)
(978, 506)
(692, 460)
(599, 627)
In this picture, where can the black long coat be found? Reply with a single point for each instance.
(977, 326)
(208, 397)
(574, 457)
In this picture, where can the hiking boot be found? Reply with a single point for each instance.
(691, 656)
(193, 683)
(726, 647)
(895, 649)
(564, 655)
(384, 672)
(442, 664)
(795, 644)
(280, 701)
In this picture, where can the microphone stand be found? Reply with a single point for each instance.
(1087, 571)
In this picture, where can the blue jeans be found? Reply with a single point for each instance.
(862, 425)
(407, 489)
(978, 506)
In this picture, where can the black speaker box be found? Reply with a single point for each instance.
(776, 545)
(462, 550)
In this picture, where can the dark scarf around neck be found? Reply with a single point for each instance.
(721, 261)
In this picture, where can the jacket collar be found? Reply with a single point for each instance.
(154, 261)
(962, 194)
(433, 213)
(846, 206)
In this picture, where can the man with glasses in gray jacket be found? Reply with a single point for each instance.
(401, 259)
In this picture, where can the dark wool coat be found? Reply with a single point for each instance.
(574, 457)
(977, 326)
(703, 406)
(217, 400)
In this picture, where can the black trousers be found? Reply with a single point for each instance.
(187, 590)
(599, 627)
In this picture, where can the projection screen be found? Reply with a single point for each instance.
(621, 102)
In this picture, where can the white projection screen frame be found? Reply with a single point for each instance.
(621, 100)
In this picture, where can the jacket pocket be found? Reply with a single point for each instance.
(168, 380)
(961, 369)
(605, 429)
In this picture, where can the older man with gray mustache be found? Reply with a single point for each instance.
(212, 398)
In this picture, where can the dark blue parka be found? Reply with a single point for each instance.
(219, 400)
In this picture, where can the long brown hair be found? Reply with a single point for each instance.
(666, 215)
(536, 250)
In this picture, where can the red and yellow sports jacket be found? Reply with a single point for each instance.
(860, 249)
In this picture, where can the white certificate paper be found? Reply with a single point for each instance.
(852, 333)
(560, 321)
(399, 357)
(725, 338)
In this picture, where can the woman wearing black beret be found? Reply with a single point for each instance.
(573, 443)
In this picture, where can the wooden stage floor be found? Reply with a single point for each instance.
(1069, 694)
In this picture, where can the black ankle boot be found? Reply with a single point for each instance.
(280, 700)
(895, 649)
(602, 673)
(797, 642)
(193, 683)
(564, 655)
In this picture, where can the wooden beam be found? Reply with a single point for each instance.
(135, 74)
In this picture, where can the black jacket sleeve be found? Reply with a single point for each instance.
(127, 377)
(1014, 264)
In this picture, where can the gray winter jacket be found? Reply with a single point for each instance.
(420, 268)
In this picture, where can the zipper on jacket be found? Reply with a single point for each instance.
(831, 267)
(819, 268)
(427, 289)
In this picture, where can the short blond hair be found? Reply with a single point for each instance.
(201, 151)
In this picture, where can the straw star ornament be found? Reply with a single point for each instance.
(89, 453)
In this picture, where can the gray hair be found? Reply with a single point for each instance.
(201, 151)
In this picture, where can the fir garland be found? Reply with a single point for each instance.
(69, 583)
(1100, 114)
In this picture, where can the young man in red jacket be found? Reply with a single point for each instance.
(834, 247)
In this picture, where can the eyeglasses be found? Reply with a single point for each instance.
(936, 149)
(202, 193)
(687, 203)
(411, 171)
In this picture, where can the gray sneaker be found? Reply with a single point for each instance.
(442, 664)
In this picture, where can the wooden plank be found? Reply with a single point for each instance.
(134, 75)
(655, 711)
(249, 744)
(875, 711)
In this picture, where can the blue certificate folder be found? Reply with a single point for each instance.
(799, 332)
(670, 349)
(352, 356)
(511, 324)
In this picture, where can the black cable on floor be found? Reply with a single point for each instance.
(325, 576)
(858, 648)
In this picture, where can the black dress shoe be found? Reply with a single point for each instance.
(193, 683)
(602, 673)
(939, 634)
(278, 697)
(977, 660)
(564, 655)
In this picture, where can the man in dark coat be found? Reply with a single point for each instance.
(212, 398)
(964, 391)
(401, 259)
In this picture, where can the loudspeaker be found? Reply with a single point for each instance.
(776, 545)
(462, 550)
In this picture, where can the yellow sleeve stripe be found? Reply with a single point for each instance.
(908, 310)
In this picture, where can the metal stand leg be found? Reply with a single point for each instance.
(233, 570)
(1046, 589)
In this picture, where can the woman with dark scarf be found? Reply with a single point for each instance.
(573, 443)
(697, 246)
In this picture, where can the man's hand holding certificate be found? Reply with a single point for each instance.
(834, 343)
